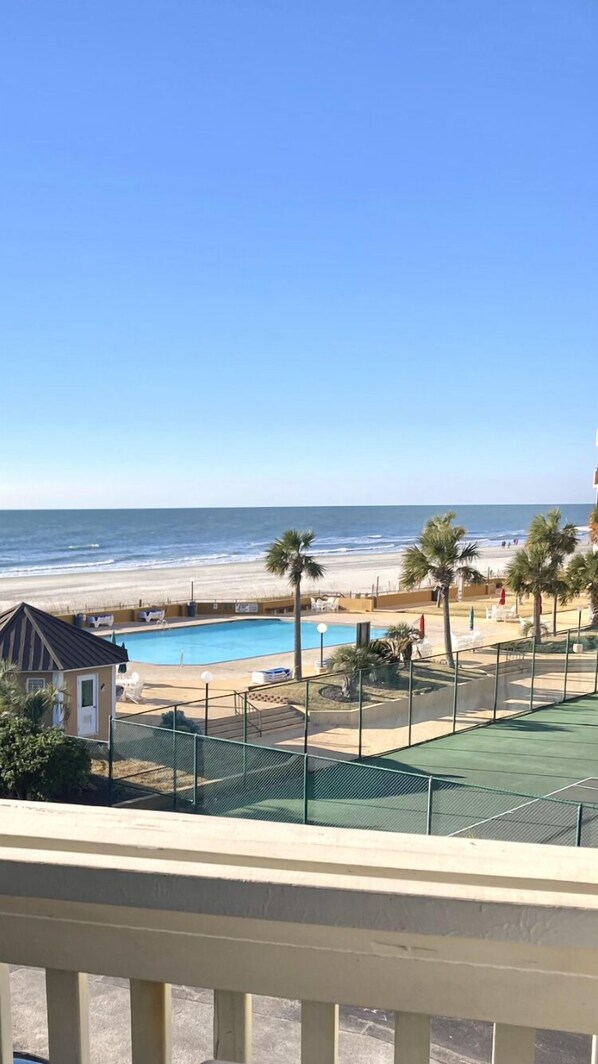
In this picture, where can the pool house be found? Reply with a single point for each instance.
(82, 666)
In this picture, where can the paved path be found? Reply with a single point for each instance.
(366, 1036)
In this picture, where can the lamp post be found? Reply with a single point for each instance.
(322, 629)
(207, 679)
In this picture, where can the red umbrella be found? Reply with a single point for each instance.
(503, 597)
(422, 627)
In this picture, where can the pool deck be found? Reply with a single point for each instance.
(167, 684)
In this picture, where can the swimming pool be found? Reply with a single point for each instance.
(204, 644)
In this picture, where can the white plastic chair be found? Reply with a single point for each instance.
(134, 691)
(132, 687)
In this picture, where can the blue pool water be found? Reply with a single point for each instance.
(205, 644)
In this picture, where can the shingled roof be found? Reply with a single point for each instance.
(37, 642)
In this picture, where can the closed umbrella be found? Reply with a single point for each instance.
(422, 627)
(123, 665)
(471, 619)
(114, 638)
(503, 596)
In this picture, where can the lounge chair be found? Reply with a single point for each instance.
(467, 641)
(151, 615)
(100, 620)
(271, 675)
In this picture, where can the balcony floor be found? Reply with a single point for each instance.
(366, 1037)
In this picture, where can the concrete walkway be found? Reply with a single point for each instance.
(366, 1036)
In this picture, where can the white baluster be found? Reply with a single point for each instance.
(5, 1017)
(232, 1026)
(412, 1038)
(150, 1022)
(68, 1016)
(319, 1033)
(513, 1045)
(594, 1059)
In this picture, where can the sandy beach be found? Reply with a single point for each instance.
(234, 581)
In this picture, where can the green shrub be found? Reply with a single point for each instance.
(41, 764)
(183, 722)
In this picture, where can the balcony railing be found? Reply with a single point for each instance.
(420, 926)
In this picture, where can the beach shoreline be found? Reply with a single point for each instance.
(234, 581)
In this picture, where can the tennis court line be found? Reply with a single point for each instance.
(516, 808)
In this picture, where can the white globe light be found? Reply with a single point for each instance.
(322, 628)
(206, 677)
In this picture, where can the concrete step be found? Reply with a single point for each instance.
(278, 718)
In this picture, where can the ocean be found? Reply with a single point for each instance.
(78, 541)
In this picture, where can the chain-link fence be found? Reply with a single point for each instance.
(220, 777)
(387, 707)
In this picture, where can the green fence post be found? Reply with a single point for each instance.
(195, 773)
(245, 699)
(306, 725)
(174, 758)
(533, 676)
(305, 800)
(566, 667)
(429, 809)
(579, 824)
(496, 679)
(111, 754)
(455, 692)
(596, 673)
(360, 736)
(410, 709)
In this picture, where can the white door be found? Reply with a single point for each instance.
(87, 705)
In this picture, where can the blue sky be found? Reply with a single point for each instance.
(266, 252)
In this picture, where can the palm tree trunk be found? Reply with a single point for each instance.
(297, 612)
(554, 604)
(446, 616)
(593, 602)
(537, 626)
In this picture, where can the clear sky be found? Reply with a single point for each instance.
(276, 252)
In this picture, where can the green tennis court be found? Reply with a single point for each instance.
(537, 753)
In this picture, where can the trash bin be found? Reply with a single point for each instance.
(80, 619)
(192, 609)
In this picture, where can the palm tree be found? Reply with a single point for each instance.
(397, 643)
(547, 531)
(11, 691)
(351, 660)
(35, 705)
(288, 557)
(532, 572)
(442, 555)
(593, 523)
(582, 574)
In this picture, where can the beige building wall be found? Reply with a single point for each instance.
(106, 696)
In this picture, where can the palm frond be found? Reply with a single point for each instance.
(416, 567)
(287, 556)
